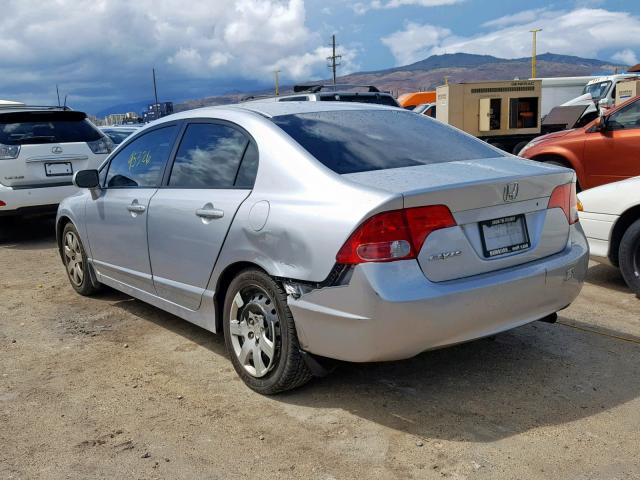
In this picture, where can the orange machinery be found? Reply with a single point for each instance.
(413, 99)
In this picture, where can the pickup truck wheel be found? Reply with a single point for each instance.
(75, 262)
(260, 334)
(629, 257)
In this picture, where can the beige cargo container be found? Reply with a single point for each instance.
(503, 113)
(627, 90)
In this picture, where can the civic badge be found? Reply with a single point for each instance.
(56, 149)
(510, 192)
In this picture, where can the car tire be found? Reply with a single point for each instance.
(75, 261)
(518, 147)
(260, 334)
(629, 257)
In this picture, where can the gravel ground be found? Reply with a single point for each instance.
(109, 387)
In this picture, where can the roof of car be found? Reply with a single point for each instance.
(271, 109)
(275, 109)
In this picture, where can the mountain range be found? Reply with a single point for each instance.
(432, 71)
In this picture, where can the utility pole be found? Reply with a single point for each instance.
(156, 107)
(58, 94)
(275, 73)
(334, 58)
(533, 51)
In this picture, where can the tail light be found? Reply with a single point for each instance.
(565, 197)
(9, 152)
(102, 145)
(394, 235)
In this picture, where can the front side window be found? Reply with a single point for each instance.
(208, 157)
(141, 163)
(350, 141)
(628, 117)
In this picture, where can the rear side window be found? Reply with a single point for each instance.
(248, 168)
(141, 163)
(350, 141)
(30, 128)
(209, 156)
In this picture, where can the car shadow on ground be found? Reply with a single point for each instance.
(607, 276)
(28, 233)
(535, 376)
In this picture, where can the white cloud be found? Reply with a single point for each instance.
(626, 57)
(415, 42)
(361, 7)
(525, 16)
(89, 44)
(583, 32)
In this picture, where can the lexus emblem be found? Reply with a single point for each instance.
(56, 149)
(510, 192)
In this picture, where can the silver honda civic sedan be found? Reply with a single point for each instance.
(309, 231)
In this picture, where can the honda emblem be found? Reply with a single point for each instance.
(510, 192)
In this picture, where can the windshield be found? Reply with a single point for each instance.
(597, 90)
(46, 127)
(350, 141)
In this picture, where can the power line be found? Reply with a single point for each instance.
(334, 58)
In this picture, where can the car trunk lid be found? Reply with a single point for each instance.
(500, 207)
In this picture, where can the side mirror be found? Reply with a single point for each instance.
(86, 179)
(600, 125)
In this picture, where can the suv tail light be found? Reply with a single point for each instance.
(394, 235)
(9, 152)
(102, 145)
(565, 197)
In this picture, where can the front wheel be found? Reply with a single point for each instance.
(75, 262)
(260, 334)
(629, 257)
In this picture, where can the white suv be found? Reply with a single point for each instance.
(40, 149)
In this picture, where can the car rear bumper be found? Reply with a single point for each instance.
(33, 200)
(390, 311)
(597, 227)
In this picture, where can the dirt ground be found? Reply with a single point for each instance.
(109, 387)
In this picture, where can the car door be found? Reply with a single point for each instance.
(612, 154)
(117, 213)
(212, 174)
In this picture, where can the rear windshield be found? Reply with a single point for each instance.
(351, 141)
(353, 97)
(24, 128)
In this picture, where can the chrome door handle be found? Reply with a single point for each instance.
(136, 208)
(209, 213)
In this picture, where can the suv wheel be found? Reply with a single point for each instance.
(260, 334)
(629, 257)
(75, 261)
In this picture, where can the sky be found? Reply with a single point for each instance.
(101, 52)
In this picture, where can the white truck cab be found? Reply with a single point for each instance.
(600, 93)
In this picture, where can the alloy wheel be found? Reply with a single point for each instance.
(254, 329)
